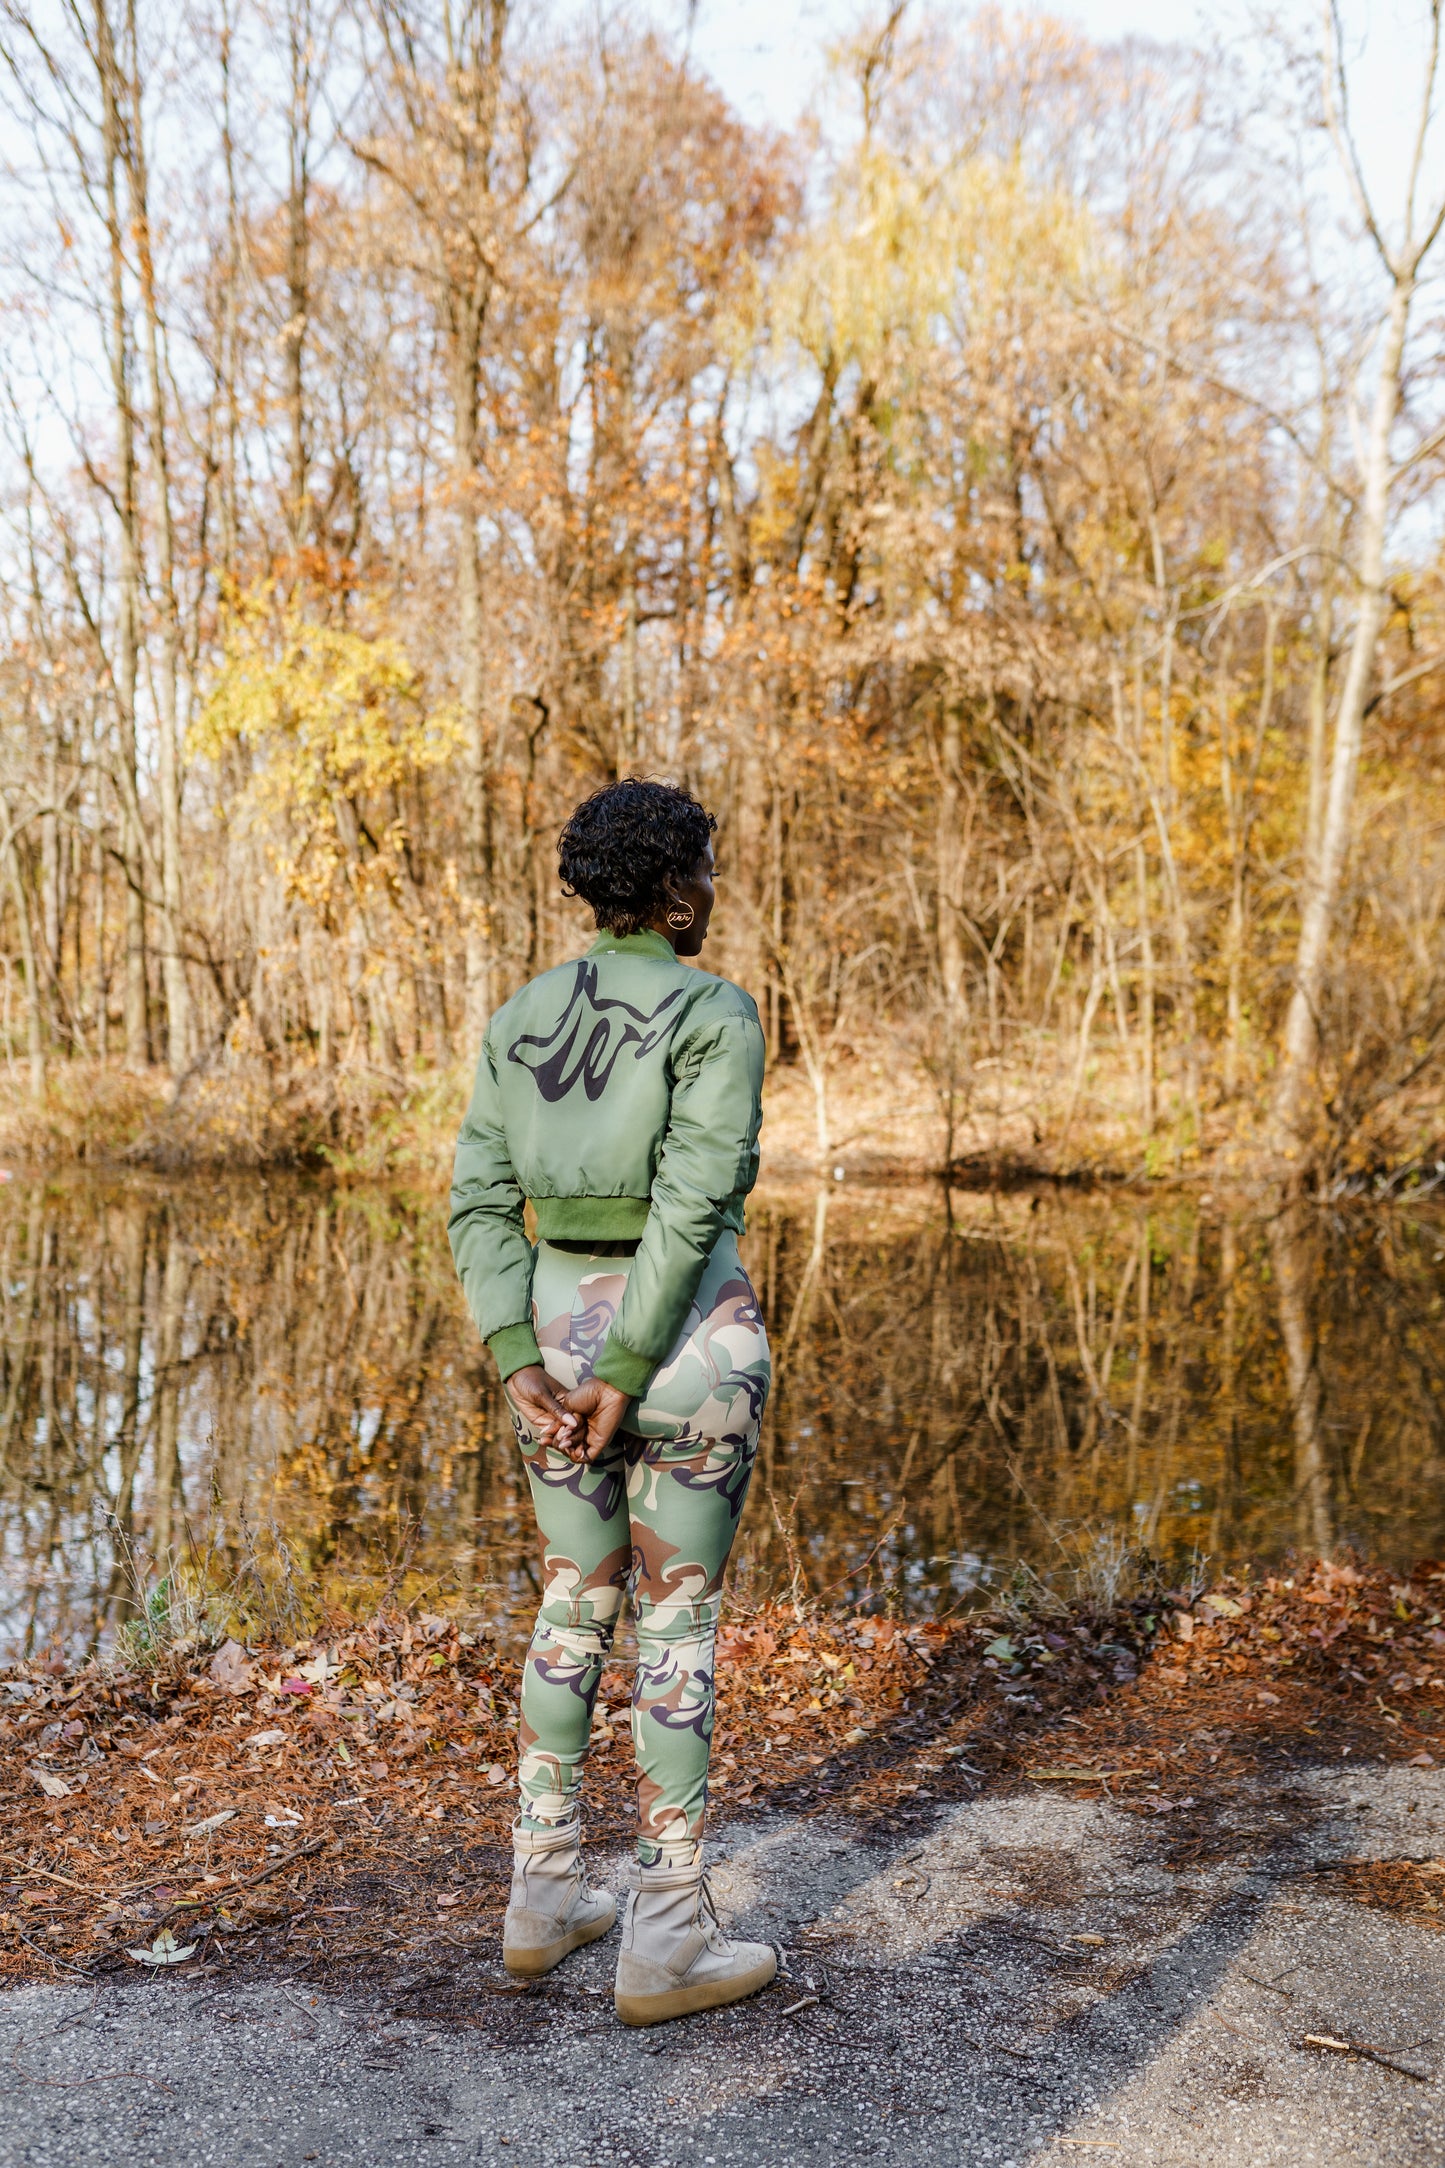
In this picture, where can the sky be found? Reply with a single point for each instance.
(767, 55)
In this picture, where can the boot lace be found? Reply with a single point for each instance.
(708, 1921)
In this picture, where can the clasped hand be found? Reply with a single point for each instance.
(580, 1423)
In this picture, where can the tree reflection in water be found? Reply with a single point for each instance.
(962, 1382)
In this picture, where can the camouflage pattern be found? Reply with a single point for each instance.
(656, 1514)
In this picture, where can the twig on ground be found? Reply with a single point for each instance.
(1330, 2046)
(275, 1866)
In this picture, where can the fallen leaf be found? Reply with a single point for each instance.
(231, 1669)
(212, 1821)
(266, 1738)
(52, 1786)
(496, 1774)
(1091, 1942)
(318, 1671)
(452, 1897)
(283, 1818)
(165, 1950)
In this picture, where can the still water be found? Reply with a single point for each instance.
(280, 1381)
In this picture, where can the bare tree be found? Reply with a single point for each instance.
(1402, 261)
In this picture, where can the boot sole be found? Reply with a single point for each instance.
(683, 2001)
(529, 1964)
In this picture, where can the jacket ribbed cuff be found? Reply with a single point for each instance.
(623, 1367)
(515, 1347)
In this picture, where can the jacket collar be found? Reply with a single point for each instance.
(645, 943)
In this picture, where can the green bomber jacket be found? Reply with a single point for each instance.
(622, 1096)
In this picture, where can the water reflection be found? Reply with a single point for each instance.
(962, 1382)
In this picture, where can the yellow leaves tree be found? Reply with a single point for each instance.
(336, 729)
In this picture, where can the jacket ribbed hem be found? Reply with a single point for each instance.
(580, 1219)
(515, 1348)
(623, 1367)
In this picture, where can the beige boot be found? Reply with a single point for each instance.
(551, 1911)
(675, 1957)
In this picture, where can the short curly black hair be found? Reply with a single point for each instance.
(625, 844)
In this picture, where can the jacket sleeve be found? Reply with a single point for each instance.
(489, 1243)
(709, 1153)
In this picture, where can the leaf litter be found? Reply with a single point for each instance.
(388, 1748)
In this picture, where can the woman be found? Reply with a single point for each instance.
(621, 1095)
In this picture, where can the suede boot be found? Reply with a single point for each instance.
(551, 1910)
(675, 1957)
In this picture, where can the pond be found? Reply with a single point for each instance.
(276, 1384)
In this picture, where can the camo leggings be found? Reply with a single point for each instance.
(657, 1513)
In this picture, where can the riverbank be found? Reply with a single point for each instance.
(336, 1806)
(883, 1117)
(882, 1120)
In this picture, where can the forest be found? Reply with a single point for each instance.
(1010, 500)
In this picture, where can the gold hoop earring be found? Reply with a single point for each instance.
(680, 917)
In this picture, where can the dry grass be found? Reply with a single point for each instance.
(362, 1123)
(884, 1115)
(1015, 1120)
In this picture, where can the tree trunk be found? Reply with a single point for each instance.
(466, 328)
(298, 289)
(127, 629)
(101, 981)
(173, 970)
(229, 327)
(950, 859)
(1146, 995)
(34, 1016)
(1297, 1107)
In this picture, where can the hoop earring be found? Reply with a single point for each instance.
(680, 917)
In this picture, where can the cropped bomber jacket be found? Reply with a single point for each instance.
(621, 1096)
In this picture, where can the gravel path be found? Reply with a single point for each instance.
(1021, 1981)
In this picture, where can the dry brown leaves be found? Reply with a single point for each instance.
(1415, 1888)
(357, 1789)
(351, 1797)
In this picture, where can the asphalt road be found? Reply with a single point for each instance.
(935, 2009)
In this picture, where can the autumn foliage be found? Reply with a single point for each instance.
(960, 494)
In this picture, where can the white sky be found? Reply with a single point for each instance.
(767, 55)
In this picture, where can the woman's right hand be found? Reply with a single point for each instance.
(531, 1392)
(601, 1408)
